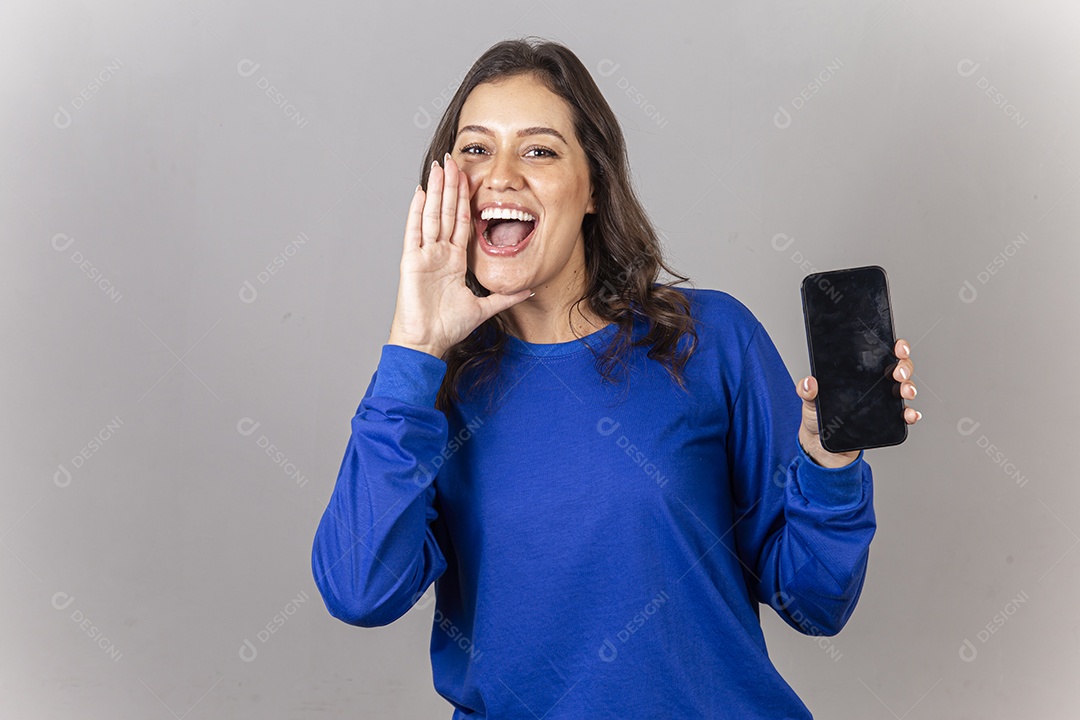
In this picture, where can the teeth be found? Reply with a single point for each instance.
(504, 214)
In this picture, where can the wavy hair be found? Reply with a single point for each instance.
(623, 252)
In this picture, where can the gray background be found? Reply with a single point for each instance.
(188, 256)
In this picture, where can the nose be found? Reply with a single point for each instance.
(504, 172)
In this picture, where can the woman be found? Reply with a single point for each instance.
(570, 519)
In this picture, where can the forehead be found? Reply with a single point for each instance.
(507, 105)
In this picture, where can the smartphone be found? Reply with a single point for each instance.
(849, 333)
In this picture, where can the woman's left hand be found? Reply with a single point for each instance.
(808, 431)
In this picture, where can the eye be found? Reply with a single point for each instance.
(551, 153)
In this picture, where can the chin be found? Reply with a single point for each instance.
(501, 283)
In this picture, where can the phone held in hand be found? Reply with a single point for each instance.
(849, 333)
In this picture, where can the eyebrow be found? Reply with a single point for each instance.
(520, 133)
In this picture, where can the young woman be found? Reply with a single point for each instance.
(599, 540)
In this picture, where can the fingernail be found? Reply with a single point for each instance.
(918, 415)
(903, 373)
(434, 164)
(446, 157)
(532, 293)
(418, 188)
(907, 350)
(806, 384)
(914, 392)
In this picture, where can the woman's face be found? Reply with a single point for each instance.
(545, 173)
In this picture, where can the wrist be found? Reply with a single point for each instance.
(430, 350)
(824, 458)
(395, 339)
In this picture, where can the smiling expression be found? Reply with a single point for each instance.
(516, 144)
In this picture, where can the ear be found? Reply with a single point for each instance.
(591, 208)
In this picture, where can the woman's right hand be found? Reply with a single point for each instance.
(435, 308)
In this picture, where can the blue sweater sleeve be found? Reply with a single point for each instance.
(802, 530)
(374, 552)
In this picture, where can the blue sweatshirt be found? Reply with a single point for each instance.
(598, 551)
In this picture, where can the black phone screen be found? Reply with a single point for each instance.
(849, 333)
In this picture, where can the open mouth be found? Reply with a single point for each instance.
(500, 232)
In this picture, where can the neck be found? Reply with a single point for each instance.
(548, 321)
(547, 317)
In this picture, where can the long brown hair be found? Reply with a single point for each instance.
(623, 253)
